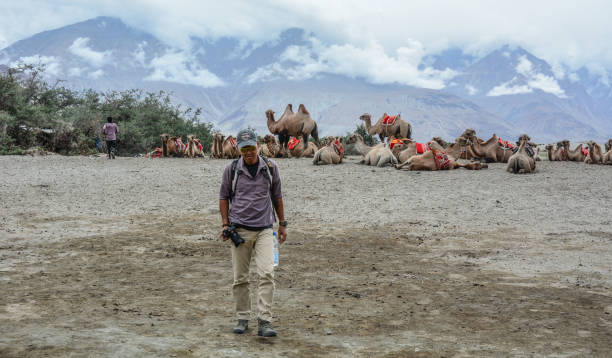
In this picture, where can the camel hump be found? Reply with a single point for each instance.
(289, 108)
(302, 109)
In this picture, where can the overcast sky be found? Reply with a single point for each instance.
(574, 33)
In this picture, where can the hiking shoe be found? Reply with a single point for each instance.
(241, 327)
(264, 328)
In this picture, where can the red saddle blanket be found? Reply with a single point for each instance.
(155, 154)
(180, 146)
(442, 161)
(339, 147)
(293, 142)
(200, 146)
(422, 148)
(388, 120)
(505, 143)
(585, 152)
(394, 142)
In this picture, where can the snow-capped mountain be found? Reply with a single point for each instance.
(525, 91)
(235, 81)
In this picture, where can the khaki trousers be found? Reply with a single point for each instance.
(258, 244)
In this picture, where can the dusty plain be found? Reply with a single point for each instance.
(121, 259)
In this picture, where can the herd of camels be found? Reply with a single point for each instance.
(396, 148)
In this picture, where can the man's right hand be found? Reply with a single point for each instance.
(221, 236)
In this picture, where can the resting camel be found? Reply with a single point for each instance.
(607, 157)
(521, 162)
(292, 124)
(296, 148)
(608, 145)
(270, 147)
(555, 155)
(172, 146)
(216, 149)
(397, 127)
(380, 156)
(595, 156)
(360, 144)
(329, 154)
(441, 141)
(410, 148)
(194, 147)
(437, 160)
(490, 150)
(230, 148)
(579, 154)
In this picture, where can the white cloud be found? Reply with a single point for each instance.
(95, 74)
(478, 26)
(52, 65)
(533, 79)
(95, 58)
(546, 84)
(573, 77)
(507, 89)
(371, 63)
(180, 67)
(139, 54)
(471, 89)
(75, 72)
(524, 67)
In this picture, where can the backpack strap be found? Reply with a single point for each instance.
(234, 179)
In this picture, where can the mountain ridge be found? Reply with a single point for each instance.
(215, 74)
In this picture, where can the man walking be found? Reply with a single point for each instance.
(110, 130)
(252, 185)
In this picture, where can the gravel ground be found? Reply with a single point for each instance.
(120, 258)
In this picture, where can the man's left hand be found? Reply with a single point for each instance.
(282, 234)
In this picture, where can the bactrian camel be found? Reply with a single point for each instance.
(296, 148)
(398, 129)
(216, 149)
(230, 148)
(521, 162)
(595, 155)
(329, 154)
(555, 154)
(270, 147)
(437, 160)
(292, 124)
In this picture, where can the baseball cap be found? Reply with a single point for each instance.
(245, 138)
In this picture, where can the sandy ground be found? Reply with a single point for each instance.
(120, 259)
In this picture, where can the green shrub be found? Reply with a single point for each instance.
(61, 120)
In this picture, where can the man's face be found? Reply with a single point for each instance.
(249, 154)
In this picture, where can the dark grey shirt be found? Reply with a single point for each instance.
(251, 204)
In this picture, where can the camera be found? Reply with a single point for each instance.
(233, 235)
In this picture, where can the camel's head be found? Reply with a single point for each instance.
(165, 137)
(365, 116)
(269, 139)
(270, 114)
(549, 147)
(354, 138)
(190, 138)
(440, 141)
(523, 137)
(608, 145)
(464, 141)
(469, 133)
